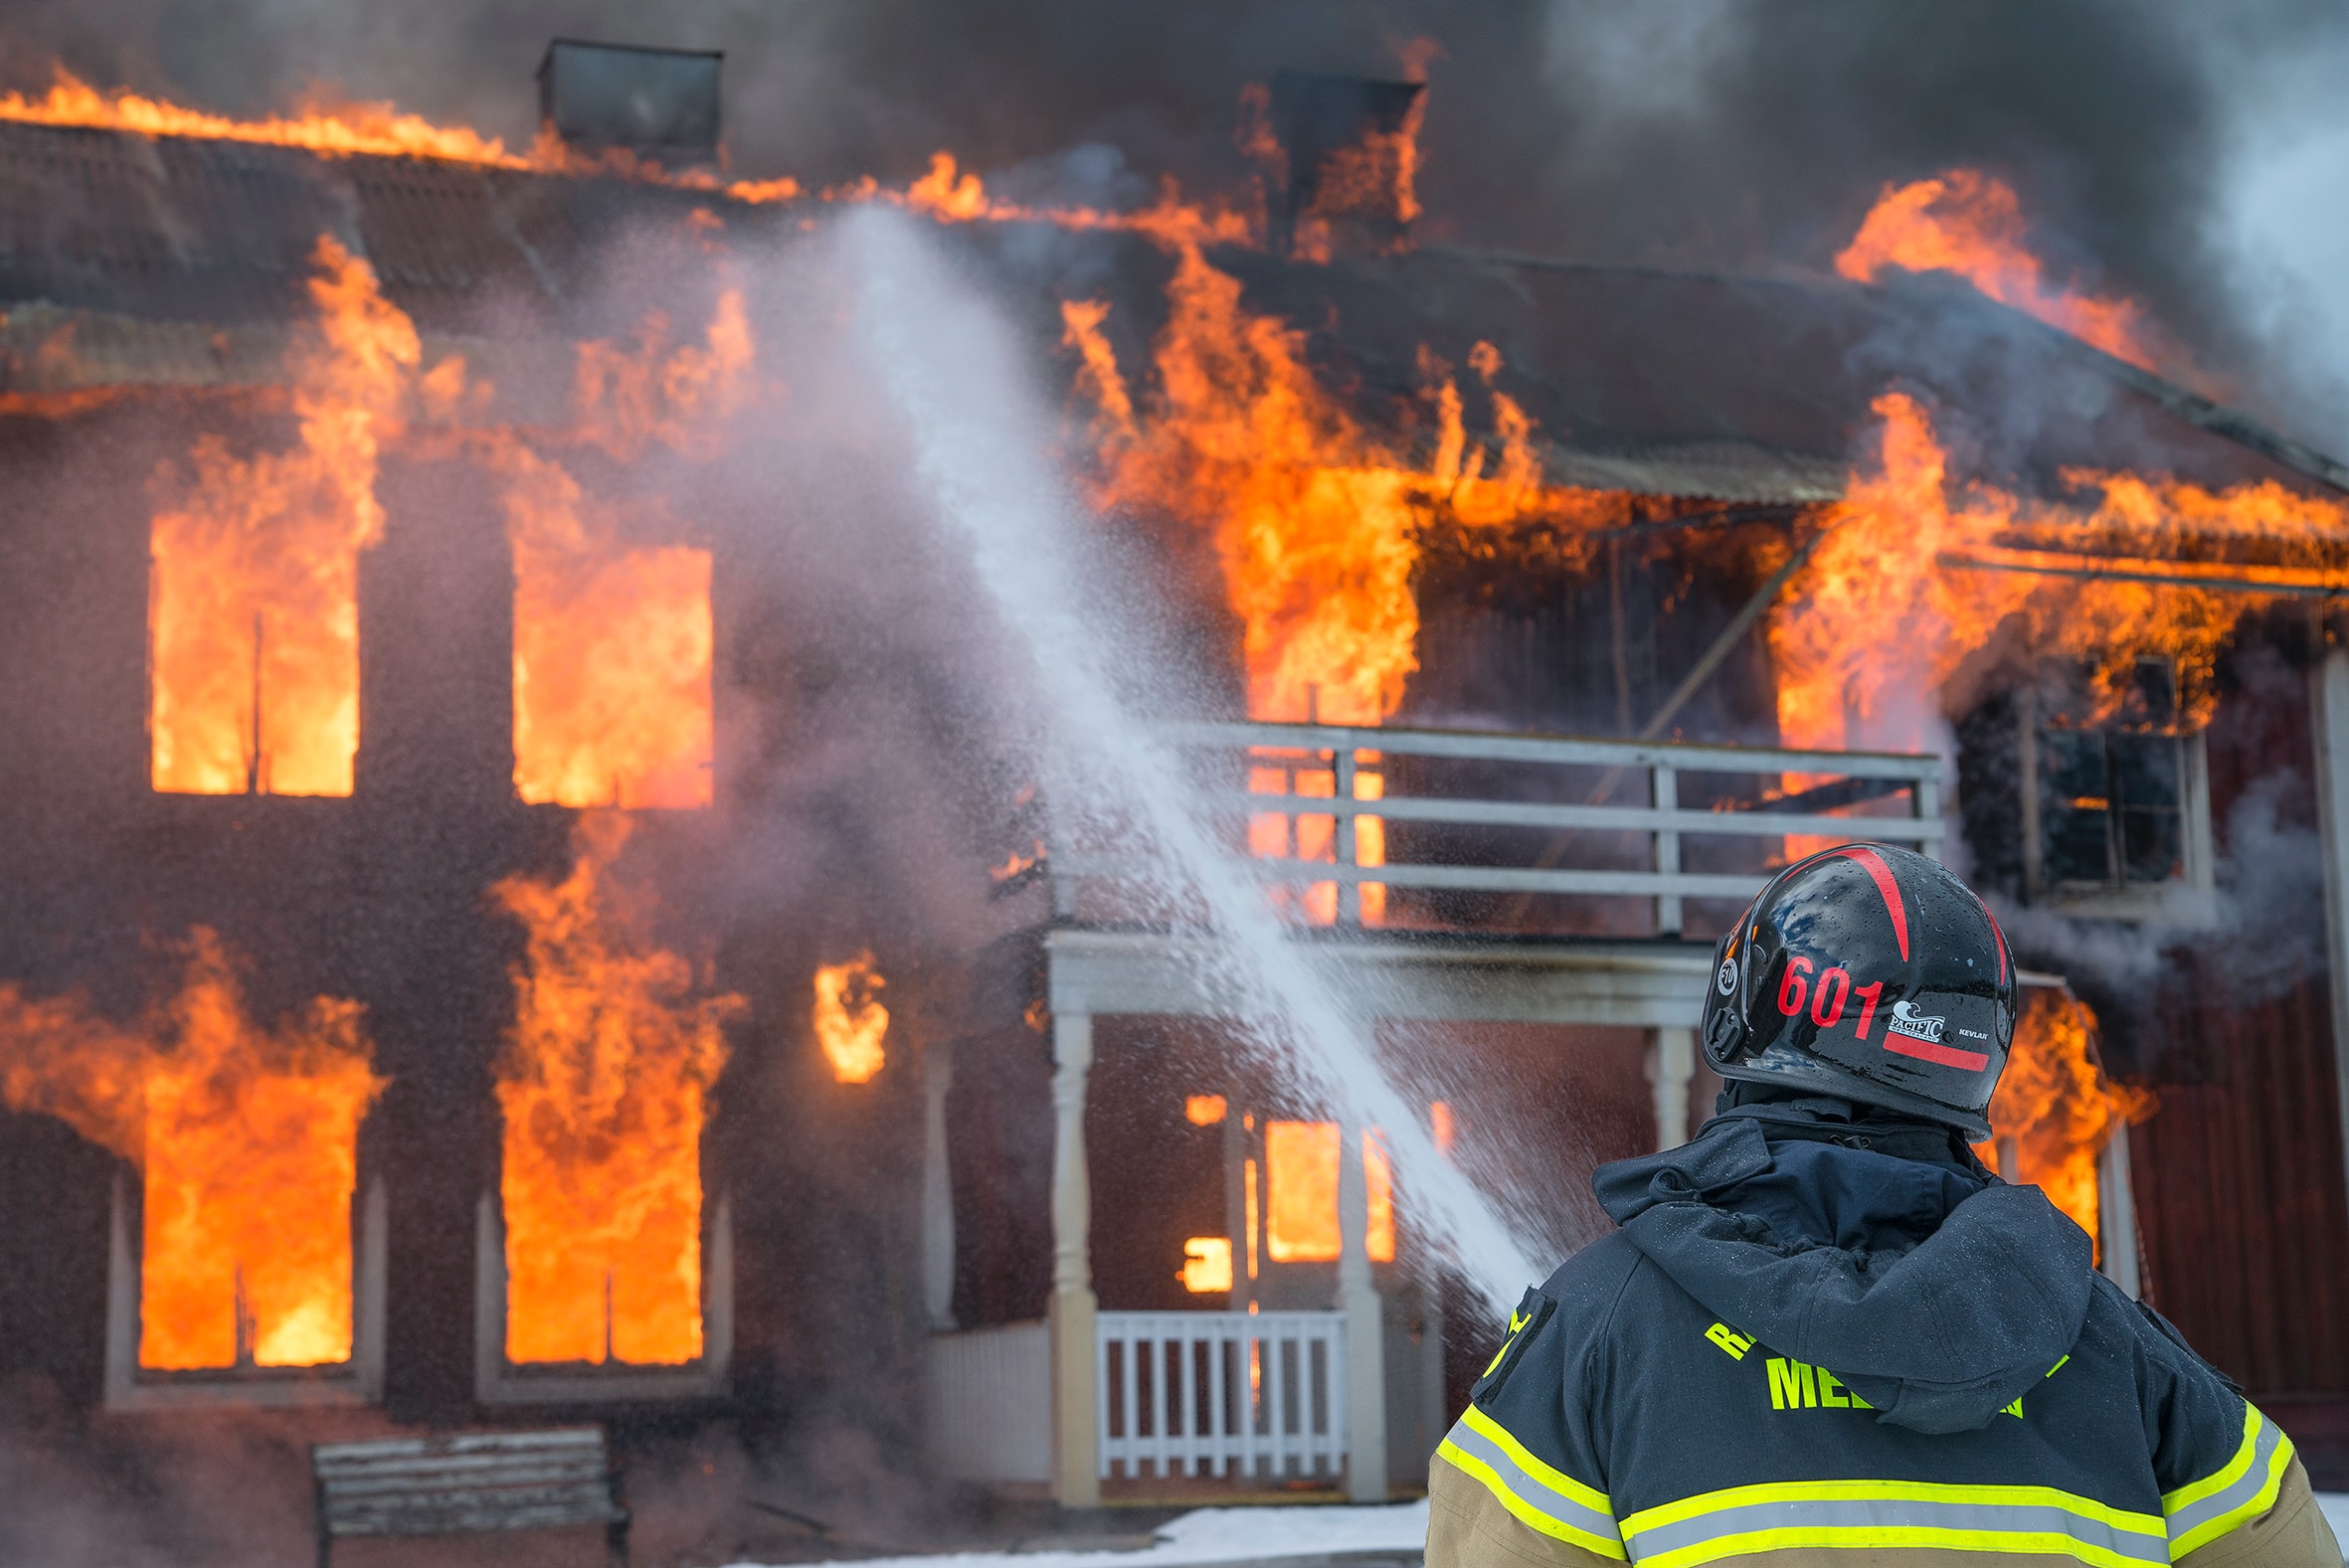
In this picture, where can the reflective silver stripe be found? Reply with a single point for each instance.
(1530, 1490)
(1988, 1519)
(2241, 1492)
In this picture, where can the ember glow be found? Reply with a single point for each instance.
(248, 1140)
(1967, 223)
(2056, 1106)
(1887, 610)
(253, 613)
(604, 1086)
(849, 1021)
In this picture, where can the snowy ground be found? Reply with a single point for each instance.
(1209, 1536)
(1229, 1535)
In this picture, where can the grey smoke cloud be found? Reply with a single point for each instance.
(2157, 146)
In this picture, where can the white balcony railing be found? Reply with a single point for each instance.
(1244, 1396)
(1333, 793)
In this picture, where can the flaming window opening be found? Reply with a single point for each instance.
(1206, 1265)
(849, 1021)
(605, 1087)
(254, 605)
(1301, 1193)
(246, 1142)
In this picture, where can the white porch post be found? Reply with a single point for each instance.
(1672, 1067)
(938, 1193)
(1076, 1481)
(2328, 706)
(1365, 1350)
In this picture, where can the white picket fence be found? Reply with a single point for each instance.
(1245, 1396)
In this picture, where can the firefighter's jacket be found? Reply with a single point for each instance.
(1814, 1354)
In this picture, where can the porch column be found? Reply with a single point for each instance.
(1672, 1067)
(1076, 1482)
(938, 1191)
(2328, 693)
(1365, 1349)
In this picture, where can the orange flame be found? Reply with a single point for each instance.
(849, 1021)
(605, 1087)
(1967, 223)
(2056, 1106)
(1317, 523)
(613, 640)
(347, 128)
(1881, 618)
(249, 1142)
(257, 566)
(1301, 1193)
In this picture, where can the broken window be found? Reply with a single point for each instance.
(2116, 805)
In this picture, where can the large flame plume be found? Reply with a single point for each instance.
(246, 1136)
(1885, 611)
(2056, 1107)
(604, 1086)
(255, 608)
(612, 638)
(1315, 521)
(1967, 223)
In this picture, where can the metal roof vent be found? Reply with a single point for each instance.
(658, 104)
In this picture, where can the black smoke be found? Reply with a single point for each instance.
(1691, 132)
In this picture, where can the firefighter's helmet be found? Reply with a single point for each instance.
(1871, 973)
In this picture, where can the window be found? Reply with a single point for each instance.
(2115, 812)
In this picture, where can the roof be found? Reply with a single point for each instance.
(181, 261)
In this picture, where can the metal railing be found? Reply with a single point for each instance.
(1339, 781)
(1244, 1396)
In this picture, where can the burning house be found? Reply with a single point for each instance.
(403, 669)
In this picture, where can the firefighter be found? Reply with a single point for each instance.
(1825, 1333)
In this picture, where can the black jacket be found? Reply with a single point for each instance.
(1816, 1332)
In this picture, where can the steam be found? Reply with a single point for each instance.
(978, 437)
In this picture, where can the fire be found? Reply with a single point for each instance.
(348, 128)
(849, 1021)
(1301, 1193)
(1885, 612)
(1967, 223)
(612, 640)
(1315, 521)
(2056, 1105)
(1206, 1265)
(248, 1140)
(1203, 1109)
(254, 619)
(605, 1087)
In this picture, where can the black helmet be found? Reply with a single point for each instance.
(1870, 973)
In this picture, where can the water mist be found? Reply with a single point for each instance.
(981, 440)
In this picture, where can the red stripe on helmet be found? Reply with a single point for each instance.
(1946, 1055)
(1997, 936)
(1874, 864)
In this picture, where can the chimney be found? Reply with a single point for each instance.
(659, 104)
(1351, 148)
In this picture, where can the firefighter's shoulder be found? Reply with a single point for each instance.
(1520, 1478)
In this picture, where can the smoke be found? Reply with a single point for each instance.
(2155, 149)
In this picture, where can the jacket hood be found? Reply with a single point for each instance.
(1936, 1293)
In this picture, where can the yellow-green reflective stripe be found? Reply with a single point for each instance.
(2225, 1474)
(1864, 1537)
(1558, 1480)
(1532, 1515)
(1894, 1492)
(2250, 1484)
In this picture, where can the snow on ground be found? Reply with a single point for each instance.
(1227, 1535)
(2336, 1512)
